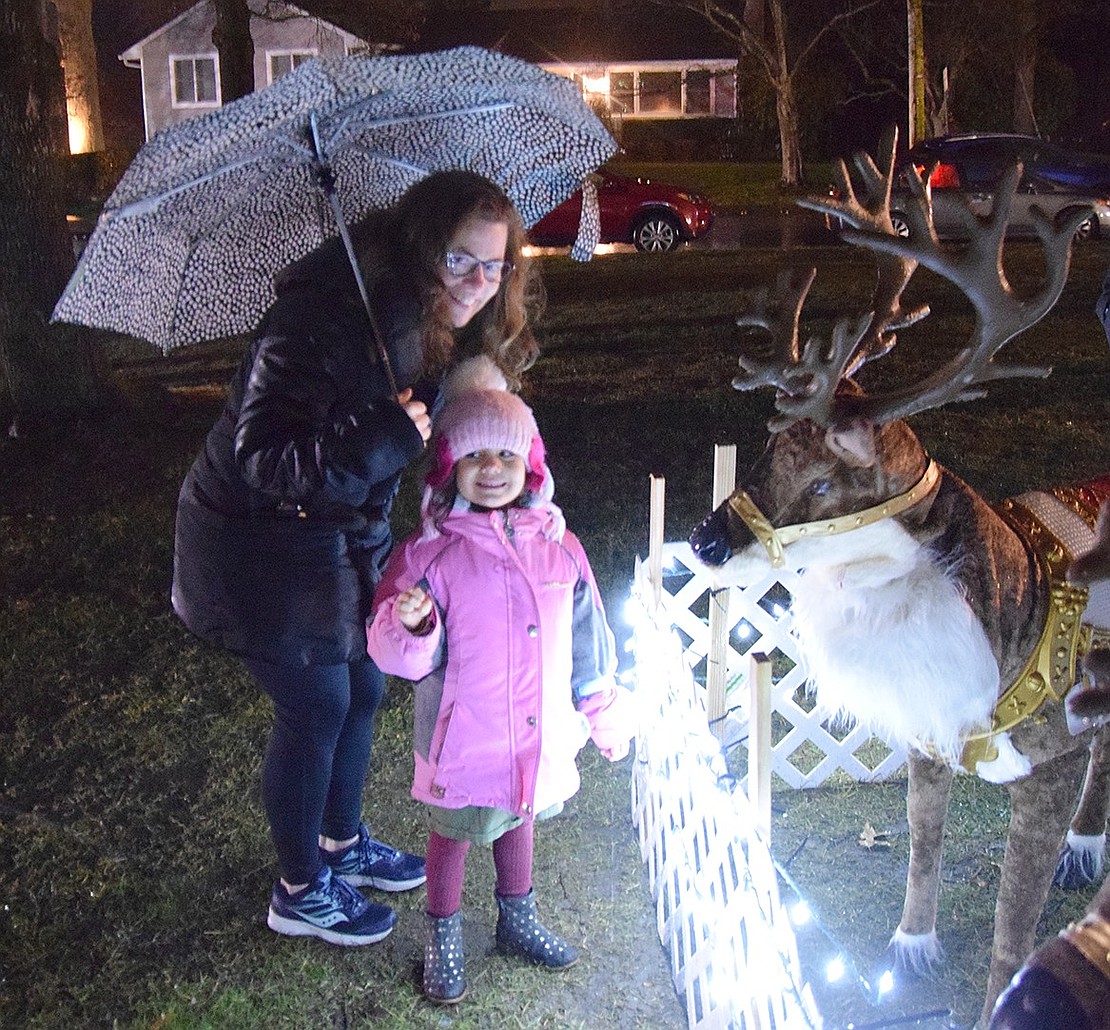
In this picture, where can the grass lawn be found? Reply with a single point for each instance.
(136, 861)
(730, 185)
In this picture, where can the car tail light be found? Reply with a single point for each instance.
(944, 176)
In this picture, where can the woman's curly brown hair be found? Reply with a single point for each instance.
(413, 236)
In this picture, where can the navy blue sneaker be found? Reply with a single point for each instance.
(329, 909)
(370, 863)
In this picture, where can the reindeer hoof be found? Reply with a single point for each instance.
(907, 958)
(1080, 862)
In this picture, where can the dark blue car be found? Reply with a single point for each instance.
(976, 160)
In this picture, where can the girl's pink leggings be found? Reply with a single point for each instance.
(445, 863)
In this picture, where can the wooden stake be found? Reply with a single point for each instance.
(724, 482)
(759, 746)
(655, 537)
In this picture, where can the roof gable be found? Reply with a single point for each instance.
(134, 52)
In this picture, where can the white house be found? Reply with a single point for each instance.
(662, 77)
(180, 68)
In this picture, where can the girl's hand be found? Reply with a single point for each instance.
(414, 609)
(418, 412)
(615, 754)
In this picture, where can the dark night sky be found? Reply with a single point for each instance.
(117, 24)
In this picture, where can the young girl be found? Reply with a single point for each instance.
(493, 608)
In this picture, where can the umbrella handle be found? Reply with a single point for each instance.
(326, 178)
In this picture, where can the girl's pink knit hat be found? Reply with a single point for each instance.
(479, 413)
(481, 420)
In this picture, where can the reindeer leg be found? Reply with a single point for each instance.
(1081, 858)
(1037, 823)
(914, 946)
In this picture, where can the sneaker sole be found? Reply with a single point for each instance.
(378, 884)
(299, 928)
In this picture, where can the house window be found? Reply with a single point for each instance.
(196, 82)
(622, 89)
(282, 62)
(660, 89)
(660, 93)
(698, 99)
(723, 92)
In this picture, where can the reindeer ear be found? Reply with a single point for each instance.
(853, 441)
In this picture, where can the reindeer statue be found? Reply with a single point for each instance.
(923, 612)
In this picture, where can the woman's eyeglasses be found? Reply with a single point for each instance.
(461, 264)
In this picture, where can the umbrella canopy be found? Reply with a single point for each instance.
(188, 243)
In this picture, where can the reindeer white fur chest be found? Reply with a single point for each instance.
(918, 605)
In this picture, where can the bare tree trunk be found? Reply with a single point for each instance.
(753, 16)
(1027, 20)
(44, 368)
(786, 106)
(1025, 67)
(786, 109)
(233, 42)
(86, 131)
(916, 55)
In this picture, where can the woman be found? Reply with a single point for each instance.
(283, 522)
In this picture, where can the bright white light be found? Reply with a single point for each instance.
(743, 631)
(778, 611)
(886, 982)
(801, 914)
(632, 610)
(595, 83)
(835, 970)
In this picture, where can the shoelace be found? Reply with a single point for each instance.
(382, 851)
(344, 896)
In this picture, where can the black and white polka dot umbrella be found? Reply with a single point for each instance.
(187, 245)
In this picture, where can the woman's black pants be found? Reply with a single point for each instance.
(319, 752)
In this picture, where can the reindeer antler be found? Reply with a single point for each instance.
(807, 384)
(868, 208)
(1000, 314)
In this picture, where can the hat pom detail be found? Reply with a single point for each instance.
(470, 374)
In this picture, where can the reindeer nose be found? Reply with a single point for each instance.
(709, 541)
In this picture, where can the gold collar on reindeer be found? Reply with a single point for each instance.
(774, 540)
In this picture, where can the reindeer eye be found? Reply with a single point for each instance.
(819, 487)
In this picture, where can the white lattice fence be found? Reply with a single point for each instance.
(805, 752)
(729, 940)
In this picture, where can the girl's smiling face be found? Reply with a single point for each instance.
(466, 295)
(489, 478)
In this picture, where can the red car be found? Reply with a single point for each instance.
(650, 215)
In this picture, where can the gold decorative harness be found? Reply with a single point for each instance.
(1049, 671)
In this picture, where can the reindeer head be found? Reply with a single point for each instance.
(841, 460)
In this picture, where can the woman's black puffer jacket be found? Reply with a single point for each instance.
(283, 519)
